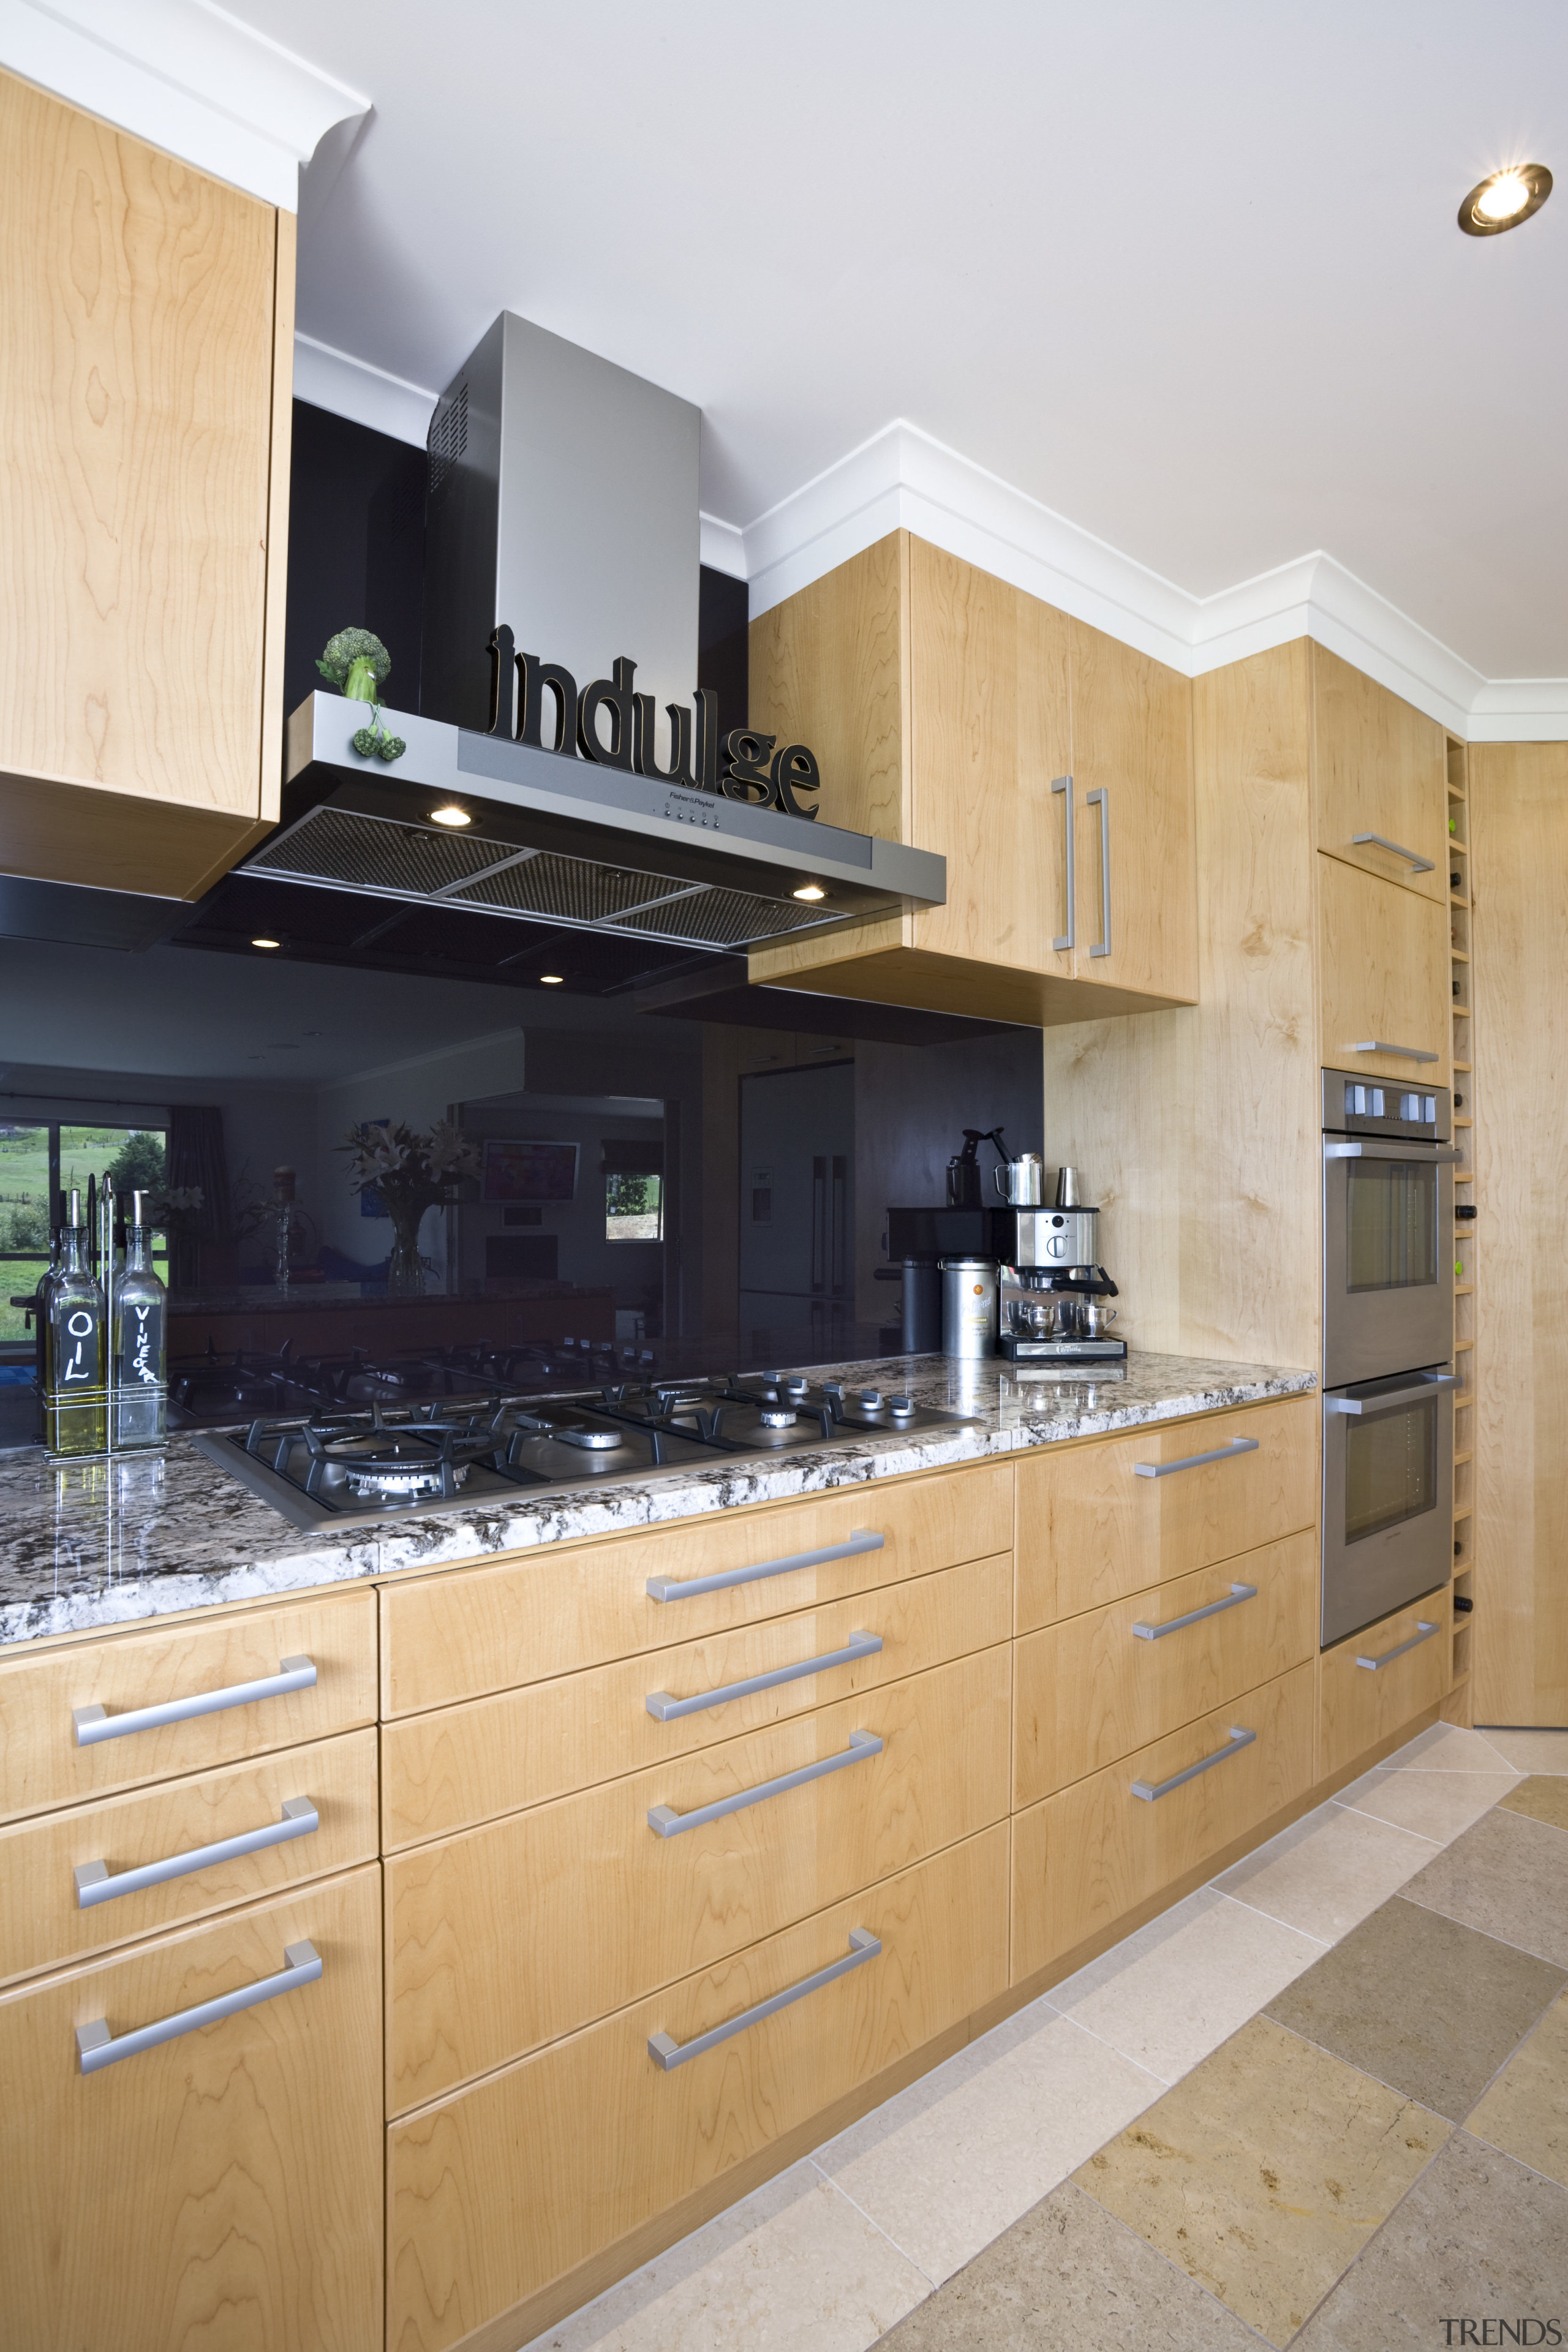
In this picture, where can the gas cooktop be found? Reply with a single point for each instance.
(347, 1468)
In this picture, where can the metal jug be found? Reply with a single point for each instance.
(1021, 1182)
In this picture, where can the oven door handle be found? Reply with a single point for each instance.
(1430, 1381)
(1436, 1155)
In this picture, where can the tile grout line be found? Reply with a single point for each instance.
(1160, 2255)
(904, 2256)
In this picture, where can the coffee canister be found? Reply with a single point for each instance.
(969, 1306)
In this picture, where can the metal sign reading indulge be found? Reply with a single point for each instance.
(745, 766)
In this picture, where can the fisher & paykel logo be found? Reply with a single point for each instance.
(742, 765)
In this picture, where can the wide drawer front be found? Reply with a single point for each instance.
(459, 1635)
(1097, 1522)
(93, 1716)
(1091, 1854)
(77, 1881)
(1379, 1680)
(510, 1935)
(498, 2190)
(1384, 967)
(220, 2186)
(1094, 1687)
(441, 1772)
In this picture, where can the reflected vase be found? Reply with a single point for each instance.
(404, 1266)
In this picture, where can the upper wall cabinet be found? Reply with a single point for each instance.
(1049, 764)
(1381, 778)
(145, 375)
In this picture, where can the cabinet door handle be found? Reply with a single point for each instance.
(1418, 865)
(863, 1745)
(1232, 1599)
(1064, 784)
(1425, 1155)
(665, 1709)
(667, 1588)
(1424, 1632)
(1237, 1740)
(97, 2048)
(94, 1883)
(1195, 1460)
(93, 1724)
(666, 2052)
(1400, 1053)
(1102, 795)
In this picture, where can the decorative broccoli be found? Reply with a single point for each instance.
(358, 664)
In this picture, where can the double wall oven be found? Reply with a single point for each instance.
(1388, 1342)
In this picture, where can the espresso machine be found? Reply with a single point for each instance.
(1055, 1292)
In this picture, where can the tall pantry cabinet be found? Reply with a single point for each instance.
(145, 378)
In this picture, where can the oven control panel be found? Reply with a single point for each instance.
(1354, 1106)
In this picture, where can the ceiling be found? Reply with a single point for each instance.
(1191, 278)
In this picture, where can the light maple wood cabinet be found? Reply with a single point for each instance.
(1380, 1679)
(1381, 770)
(220, 2186)
(946, 710)
(1383, 974)
(145, 377)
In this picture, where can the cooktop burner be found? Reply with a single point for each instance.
(340, 1466)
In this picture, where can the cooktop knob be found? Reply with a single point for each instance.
(795, 1387)
(872, 1398)
(900, 1404)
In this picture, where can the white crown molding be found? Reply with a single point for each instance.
(903, 479)
(365, 394)
(187, 76)
(723, 546)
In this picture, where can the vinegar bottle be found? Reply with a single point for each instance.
(140, 1399)
(76, 1417)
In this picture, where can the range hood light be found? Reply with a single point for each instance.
(810, 890)
(265, 943)
(450, 813)
(551, 978)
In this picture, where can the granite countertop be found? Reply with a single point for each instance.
(108, 1543)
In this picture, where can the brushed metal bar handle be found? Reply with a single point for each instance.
(668, 1588)
(93, 1723)
(1355, 1406)
(1400, 1053)
(1418, 865)
(1422, 1155)
(1064, 784)
(863, 1745)
(1232, 1599)
(1237, 1740)
(97, 2048)
(668, 2053)
(1424, 1632)
(665, 1709)
(1195, 1461)
(95, 1884)
(1102, 795)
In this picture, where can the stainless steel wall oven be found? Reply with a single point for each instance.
(1388, 1338)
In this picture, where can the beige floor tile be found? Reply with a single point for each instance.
(1447, 1748)
(1431, 1804)
(1525, 2113)
(951, 2162)
(1328, 1871)
(1530, 1751)
(1508, 1875)
(1069, 2275)
(1477, 2238)
(1181, 1986)
(1544, 1797)
(1265, 2172)
(793, 2265)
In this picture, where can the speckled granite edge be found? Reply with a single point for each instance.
(81, 1551)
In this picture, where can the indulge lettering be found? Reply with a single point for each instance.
(611, 724)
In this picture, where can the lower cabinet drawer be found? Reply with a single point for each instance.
(1092, 1688)
(510, 1935)
(1094, 1852)
(492, 2194)
(1380, 1679)
(464, 1764)
(295, 1815)
(475, 1629)
(222, 2187)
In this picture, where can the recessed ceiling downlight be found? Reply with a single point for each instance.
(551, 978)
(1504, 199)
(265, 943)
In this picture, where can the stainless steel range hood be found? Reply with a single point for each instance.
(551, 838)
